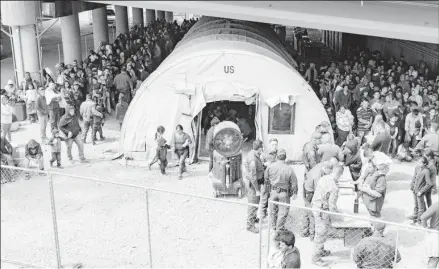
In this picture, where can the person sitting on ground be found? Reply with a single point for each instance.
(283, 253)
(376, 251)
(55, 146)
(404, 153)
(33, 154)
(6, 151)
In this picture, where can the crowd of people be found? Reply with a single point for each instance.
(89, 91)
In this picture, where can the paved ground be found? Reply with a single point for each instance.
(102, 225)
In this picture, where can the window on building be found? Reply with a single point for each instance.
(281, 119)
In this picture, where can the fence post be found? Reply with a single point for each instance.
(55, 223)
(59, 53)
(268, 231)
(396, 248)
(260, 232)
(148, 229)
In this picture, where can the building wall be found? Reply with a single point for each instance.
(412, 51)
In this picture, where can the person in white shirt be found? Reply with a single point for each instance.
(345, 121)
(6, 118)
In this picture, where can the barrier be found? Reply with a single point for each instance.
(55, 219)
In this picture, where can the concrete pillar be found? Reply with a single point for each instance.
(149, 15)
(323, 36)
(100, 27)
(121, 20)
(137, 16)
(26, 51)
(169, 16)
(160, 14)
(21, 17)
(71, 38)
(336, 42)
(340, 42)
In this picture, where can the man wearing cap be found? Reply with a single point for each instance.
(324, 199)
(309, 184)
(283, 183)
(209, 141)
(326, 150)
(254, 177)
(376, 251)
(69, 125)
(267, 158)
(124, 84)
(309, 153)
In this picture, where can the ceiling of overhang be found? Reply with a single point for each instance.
(407, 20)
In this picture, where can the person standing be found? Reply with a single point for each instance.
(121, 109)
(283, 183)
(6, 119)
(181, 147)
(382, 140)
(53, 99)
(309, 153)
(421, 186)
(325, 199)
(209, 141)
(376, 251)
(432, 215)
(328, 150)
(69, 125)
(87, 111)
(268, 158)
(42, 112)
(365, 119)
(254, 177)
(345, 121)
(124, 84)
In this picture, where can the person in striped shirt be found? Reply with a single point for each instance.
(365, 118)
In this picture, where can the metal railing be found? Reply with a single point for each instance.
(102, 223)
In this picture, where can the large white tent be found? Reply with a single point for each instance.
(222, 59)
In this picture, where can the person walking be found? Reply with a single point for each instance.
(283, 182)
(181, 148)
(254, 177)
(86, 110)
(69, 125)
(53, 99)
(325, 199)
(432, 216)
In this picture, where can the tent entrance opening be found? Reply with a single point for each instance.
(239, 112)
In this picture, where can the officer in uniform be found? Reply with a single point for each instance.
(254, 178)
(267, 158)
(325, 198)
(283, 182)
(309, 153)
(309, 185)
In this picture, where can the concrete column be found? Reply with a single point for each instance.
(121, 20)
(336, 42)
(160, 14)
(323, 36)
(169, 16)
(71, 38)
(26, 51)
(332, 40)
(137, 16)
(21, 17)
(340, 42)
(100, 27)
(149, 15)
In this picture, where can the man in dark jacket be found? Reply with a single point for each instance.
(43, 112)
(69, 126)
(124, 84)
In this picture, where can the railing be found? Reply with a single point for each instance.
(101, 223)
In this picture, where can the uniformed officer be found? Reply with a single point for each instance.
(309, 153)
(268, 157)
(309, 185)
(325, 198)
(209, 140)
(283, 182)
(253, 179)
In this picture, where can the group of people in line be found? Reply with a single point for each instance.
(87, 91)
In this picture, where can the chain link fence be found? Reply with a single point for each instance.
(50, 219)
(338, 240)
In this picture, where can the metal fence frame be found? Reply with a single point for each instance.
(147, 190)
